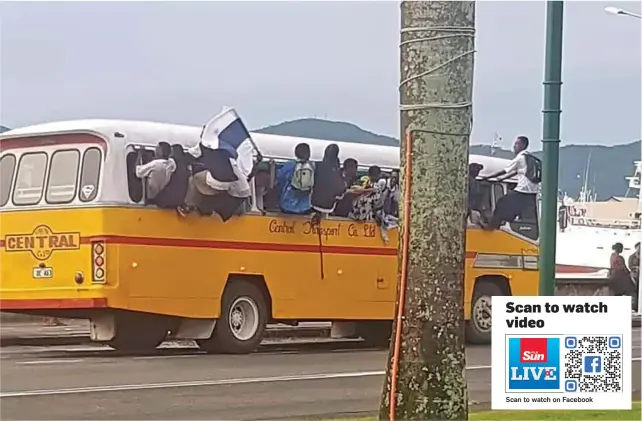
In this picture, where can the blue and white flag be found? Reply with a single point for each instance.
(227, 131)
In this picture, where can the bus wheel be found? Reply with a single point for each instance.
(375, 333)
(240, 328)
(138, 333)
(478, 328)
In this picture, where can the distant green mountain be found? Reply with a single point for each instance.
(338, 131)
(609, 165)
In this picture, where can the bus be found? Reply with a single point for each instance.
(77, 240)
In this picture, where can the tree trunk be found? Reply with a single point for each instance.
(436, 94)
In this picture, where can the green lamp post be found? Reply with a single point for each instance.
(551, 144)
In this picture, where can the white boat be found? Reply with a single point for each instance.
(587, 230)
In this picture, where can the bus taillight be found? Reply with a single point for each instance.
(98, 267)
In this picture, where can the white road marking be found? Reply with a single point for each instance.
(36, 362)
(149, 386)
(220, 382)
(251, 380)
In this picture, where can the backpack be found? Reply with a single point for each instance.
(533, 168)
(303, 176)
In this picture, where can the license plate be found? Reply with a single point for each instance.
(42, 273)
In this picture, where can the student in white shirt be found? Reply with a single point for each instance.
(522, 198)
(158, 171)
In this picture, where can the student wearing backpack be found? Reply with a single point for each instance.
(522, 200)
(329, 185)
(295, 181)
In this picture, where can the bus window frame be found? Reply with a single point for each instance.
(488, 186)
(99, 183)
(135, 148)
(79, 156)
(44, 179)
(494, 197)
(12, 180)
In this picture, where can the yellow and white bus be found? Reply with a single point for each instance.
(78, 241)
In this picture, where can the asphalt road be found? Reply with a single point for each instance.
(279, 383)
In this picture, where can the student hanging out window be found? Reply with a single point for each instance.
(523, 197)
(158, 171)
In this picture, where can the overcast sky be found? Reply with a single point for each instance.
(180, 62)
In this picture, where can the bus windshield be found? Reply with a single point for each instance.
(55, 174)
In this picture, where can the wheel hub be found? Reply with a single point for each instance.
(244, 318)
(482, 311)
(237, 318)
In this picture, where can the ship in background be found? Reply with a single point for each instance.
(587, 229)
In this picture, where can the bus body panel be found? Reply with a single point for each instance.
(41, 253)
(176, 260)
(160, 263)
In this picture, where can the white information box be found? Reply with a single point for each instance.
(562, 352)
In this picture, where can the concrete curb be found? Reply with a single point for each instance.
(83, 338)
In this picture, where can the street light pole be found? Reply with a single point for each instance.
(551, 144)
(621, 12)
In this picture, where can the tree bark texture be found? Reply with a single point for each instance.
(437, 49)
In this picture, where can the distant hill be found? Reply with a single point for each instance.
(609, 165)
(338, 131)
(4, 129)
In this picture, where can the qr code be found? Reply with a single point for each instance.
(593, 364)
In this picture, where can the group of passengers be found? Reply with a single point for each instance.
(304, 187)
(202, 179)
(207, 180)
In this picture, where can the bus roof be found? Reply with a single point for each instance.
(271, 146)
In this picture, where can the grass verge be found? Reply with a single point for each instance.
(631, 414)
(635, 413)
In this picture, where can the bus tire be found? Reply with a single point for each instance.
(241, 325)
(478, 328)
(136, 333)
(375, 333)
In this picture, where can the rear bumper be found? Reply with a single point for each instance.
(52, 303)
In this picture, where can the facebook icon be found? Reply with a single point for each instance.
(592, 364)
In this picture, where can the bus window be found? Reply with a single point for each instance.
(7, 167)
(63, 176)
(135, 184)
(30, 178)
(498, 192)
(486, 198)
(90, 174)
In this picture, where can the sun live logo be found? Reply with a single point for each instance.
(533, 363)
